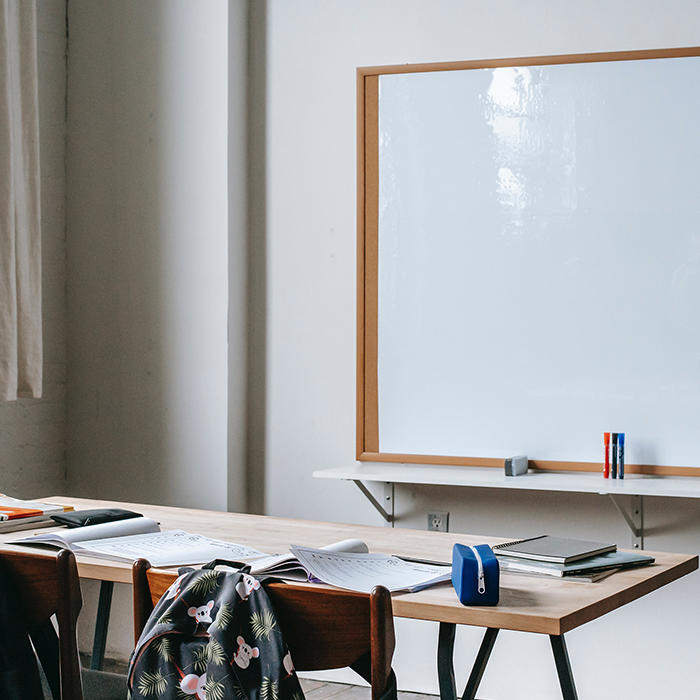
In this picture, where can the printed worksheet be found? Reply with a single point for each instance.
(362, 572)
(171, 548)
(288, 567)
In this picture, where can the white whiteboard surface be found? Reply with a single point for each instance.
(539, 261)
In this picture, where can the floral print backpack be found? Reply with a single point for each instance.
(213, 636)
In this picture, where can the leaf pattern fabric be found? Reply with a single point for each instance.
(213, 636)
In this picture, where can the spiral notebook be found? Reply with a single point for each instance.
(561, 550)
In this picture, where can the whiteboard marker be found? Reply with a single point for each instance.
(621, 455)
(606, 442)
(613, 466)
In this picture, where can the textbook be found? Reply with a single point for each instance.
(346, 564)
(554, 549)
(135, 538)
(586, 567)
(16, 514)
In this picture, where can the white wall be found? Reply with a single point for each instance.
(148, 283)
(156, 260)
(32, 431)
(647, 650)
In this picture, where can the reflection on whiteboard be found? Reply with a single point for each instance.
(539, 261)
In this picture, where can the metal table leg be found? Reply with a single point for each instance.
(482, 658)
(561, 659)
(446, 676)
(445, 667)
(101, 625)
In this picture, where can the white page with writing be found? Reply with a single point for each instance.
(171, 548)
(288, 566)
(362, 572)
(117, 528)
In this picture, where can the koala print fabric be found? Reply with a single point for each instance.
(216, 638)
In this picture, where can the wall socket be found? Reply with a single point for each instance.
(439, 521)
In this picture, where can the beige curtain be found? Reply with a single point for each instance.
(20, 211)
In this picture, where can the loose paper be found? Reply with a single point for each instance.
(362, 572)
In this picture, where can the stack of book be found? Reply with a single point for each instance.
(574, 560)
(19, 515)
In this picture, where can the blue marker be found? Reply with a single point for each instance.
(621, 455)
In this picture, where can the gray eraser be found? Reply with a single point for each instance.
(516, 466)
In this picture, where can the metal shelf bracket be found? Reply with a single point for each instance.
(386, 509)
(634, 518)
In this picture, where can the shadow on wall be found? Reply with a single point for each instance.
(257, 256)
(146, 239)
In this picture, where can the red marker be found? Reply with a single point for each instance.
(606, 469)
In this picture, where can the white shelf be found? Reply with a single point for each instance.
(577, 482)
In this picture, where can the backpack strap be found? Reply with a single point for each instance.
(238, 565)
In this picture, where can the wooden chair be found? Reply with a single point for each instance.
(48, 585)
(324, 628)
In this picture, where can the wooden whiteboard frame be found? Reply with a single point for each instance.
(367, 443)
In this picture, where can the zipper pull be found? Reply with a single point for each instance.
(481, 580)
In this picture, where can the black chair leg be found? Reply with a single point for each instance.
(45, 641)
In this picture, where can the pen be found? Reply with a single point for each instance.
(613, 466)
(606, 442)
(413, 560)
(621, 455)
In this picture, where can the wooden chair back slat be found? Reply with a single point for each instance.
(324, 628)
(48, 585)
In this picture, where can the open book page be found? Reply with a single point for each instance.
(66, 537)
(287, 566)
(171, 548)
(362, 572)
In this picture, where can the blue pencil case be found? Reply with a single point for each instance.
(475, 574)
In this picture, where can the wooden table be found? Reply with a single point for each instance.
(527, 604)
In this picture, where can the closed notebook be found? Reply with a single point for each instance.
(599, 563)
(561, 550)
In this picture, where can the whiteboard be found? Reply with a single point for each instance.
(539, 261)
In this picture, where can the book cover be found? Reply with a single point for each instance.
(561, 550)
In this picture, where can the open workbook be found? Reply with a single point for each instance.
(135, 538)
(346, 564)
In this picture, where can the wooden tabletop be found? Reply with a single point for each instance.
(527, 603)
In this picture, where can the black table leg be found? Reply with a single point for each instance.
(446, 673)
(101, 625)
(561, 659)
(482, 658)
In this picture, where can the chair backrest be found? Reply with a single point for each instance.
(48, 585)
(324, 628)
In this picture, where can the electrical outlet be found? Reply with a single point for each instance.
(439, 521)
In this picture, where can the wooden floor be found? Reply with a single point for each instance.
(313, 690)
(318, 690)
